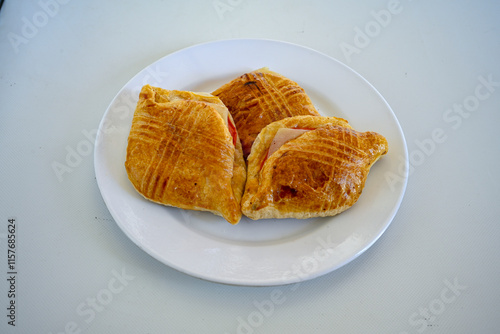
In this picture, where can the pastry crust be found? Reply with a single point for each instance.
(181, 153)
(261, 97)
(320, 173)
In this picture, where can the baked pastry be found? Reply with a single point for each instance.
(316, 167)
(259, 98)
(183, 151)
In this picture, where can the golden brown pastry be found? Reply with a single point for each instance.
(259, 98)
(318, 171)
(183, 151)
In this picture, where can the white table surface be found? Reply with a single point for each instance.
(436, 269)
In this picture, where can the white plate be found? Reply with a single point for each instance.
(267, 252)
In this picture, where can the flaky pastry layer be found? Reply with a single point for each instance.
(320, 173)
(180, 153)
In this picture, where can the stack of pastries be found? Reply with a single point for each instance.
(256, 146)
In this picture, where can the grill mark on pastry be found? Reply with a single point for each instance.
(183, 133)
(154, 181)
(267, 96)
(150, 183)
(171, 157)
(211, 151)
(328, 202)
(333, 161)
(145, 130)
(146, 181)
(277, 88)
(263, 98)
(328, 148)
(290, 94)
(335, 131)
(145, 133)
(334, 149)
(289, 91)
(352, 158)
(348, 145)
(340, 158)
(277, 97)
(340, 172)
(282, 88)
(157, 161)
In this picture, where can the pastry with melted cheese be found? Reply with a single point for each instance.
(308, 166)
(183, 151)
(261, 97)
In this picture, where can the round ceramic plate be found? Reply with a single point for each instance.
(271, 251)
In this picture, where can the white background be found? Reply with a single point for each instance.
(435, 270)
